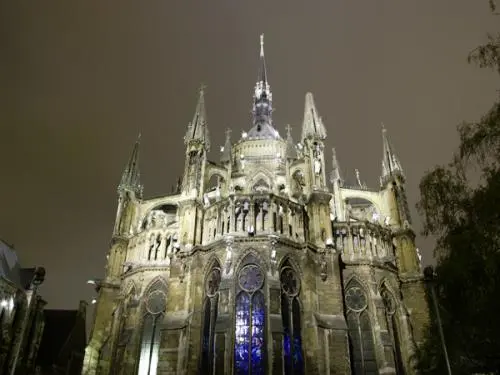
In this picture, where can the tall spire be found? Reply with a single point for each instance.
(262, 103)
(262, 85)
(390, 162)
(312, 126)
(198, 128)
(130, 180)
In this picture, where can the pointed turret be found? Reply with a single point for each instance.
(291, 150)
(130, 180)
(198, 128)
(390, 162)
(336, 174)
(226, 149)
(262, 105)
(312, 126)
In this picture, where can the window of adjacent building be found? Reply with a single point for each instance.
(363, 360)
(290, 313)
(212, 284)
(150, 342)
(249, 347)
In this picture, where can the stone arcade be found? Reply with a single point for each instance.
(260, 263)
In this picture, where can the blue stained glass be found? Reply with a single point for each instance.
(258, 308)
(297, 355)
(205, 359)
(287, 350)
(242, 335)
(298, 360)
(292, 340)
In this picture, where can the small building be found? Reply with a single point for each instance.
(21, 313)
(63, 343)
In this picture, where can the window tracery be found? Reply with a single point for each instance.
(363, 359)
(154, 306)
(210, 307)
(392, 327)
(290, 313)
(249, 347)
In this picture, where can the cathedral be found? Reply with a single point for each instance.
(262, 262)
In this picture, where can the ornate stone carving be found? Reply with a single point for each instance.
(355, 298)
(250, 278)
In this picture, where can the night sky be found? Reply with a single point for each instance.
(80, 79)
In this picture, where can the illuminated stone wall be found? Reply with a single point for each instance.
(260, 263)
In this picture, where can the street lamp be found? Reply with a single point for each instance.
(430, 277)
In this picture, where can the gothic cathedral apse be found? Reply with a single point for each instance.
(262, 262)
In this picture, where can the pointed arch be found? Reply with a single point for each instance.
(393, 327)
(153, 308)
(209, 264)
(129, 288)
(291, 315)
(211, 283)
(248, 256)
(157, 283)
(261, 174)
(250, 313)
(360, 327)
(291, 259)
(357, 280)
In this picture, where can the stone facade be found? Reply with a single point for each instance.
(261, 263)
(21, 314)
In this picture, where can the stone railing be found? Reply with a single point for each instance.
(359, 241)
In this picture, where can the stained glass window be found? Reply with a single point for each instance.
(363, 359)
(249, 347)
(212, 284)
(290, 313)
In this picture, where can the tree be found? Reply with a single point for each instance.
(460, 206)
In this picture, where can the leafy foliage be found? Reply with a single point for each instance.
(464, 216)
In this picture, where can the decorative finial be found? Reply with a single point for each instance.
(139, 137)
(261, 45)
(202, 88)
(288, 130)
(228, 133)
(383, 127)
(334, 158)
(358, 179)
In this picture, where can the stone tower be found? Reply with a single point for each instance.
(260, 263)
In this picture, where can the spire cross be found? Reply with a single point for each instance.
(261, 45)
(288, 129)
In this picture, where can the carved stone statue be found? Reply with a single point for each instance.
(317, 167)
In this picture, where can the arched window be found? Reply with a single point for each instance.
(363, 360)
(212, 284)
(290, 313)
(155, 305)
(249, 346)
(392, 327)
(125, 330)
